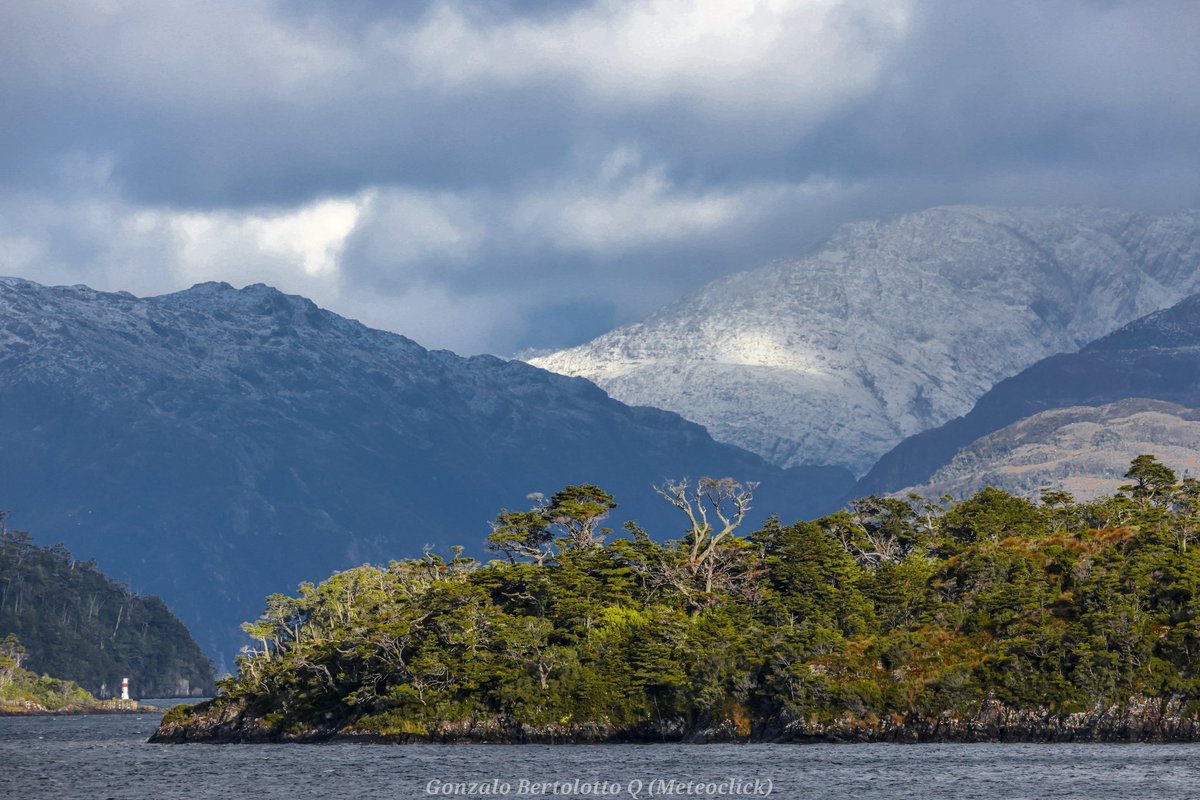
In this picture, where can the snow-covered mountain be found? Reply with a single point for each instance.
(219, 444)
(1085, 450)
(892, 327)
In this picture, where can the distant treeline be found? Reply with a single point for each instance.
(76, 624)
(889, 611)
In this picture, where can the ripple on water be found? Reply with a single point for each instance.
(108, 757)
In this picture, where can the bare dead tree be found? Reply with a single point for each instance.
(711, 557)
(725, 498)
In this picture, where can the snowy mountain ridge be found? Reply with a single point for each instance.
(892, 327)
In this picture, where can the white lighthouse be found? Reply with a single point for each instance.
(124, 688)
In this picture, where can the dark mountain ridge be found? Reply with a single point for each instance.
(1155, 357)
(219, 444)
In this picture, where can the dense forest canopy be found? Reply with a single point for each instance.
(890, 609)
(75, 623)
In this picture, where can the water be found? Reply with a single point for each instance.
(98, 757)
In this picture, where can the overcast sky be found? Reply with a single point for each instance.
(500, 175)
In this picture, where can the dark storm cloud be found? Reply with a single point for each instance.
(986, 88)
(234, 103)
(221, 126)
(527, 174)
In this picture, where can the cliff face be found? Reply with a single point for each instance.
(1140, 720)
(891, 328)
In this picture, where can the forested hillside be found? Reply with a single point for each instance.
(76, 624)
(995, 617)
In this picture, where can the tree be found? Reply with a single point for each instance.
(522, 534)
(709, 558)
(1186, 523)
(1153, 482)
(1060, 505)
(577, 510)
(12, 653)
(993, 515)
(569, 520)
(815, 579)
(877, 530)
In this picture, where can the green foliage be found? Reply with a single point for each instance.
(992, 515)
(77, 624)
(12, 652)
(178, 713)
(1153, 482)
(569, 521)
(578, 510)
(887, 609)
(19, 685)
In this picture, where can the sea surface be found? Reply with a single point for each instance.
(98, 757)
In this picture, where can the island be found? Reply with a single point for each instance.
(23, 692)
(897, 619)
(63, 617)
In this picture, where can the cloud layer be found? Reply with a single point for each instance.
(489, 177)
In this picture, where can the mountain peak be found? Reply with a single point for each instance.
(254, 300)
(891, 327)
(205, 288)
(223, 444)
(221, 289)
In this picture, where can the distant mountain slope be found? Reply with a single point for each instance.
(1155, 357)
(1085, 450)
(77, 624)
(892, 327)
(216, 445)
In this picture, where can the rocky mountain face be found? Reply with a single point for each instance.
(892, 327)
(216, 445)
(1082, 449)
(1156, 357)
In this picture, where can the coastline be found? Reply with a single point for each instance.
(28, 708)
(1139, 721)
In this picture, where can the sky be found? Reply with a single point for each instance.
(491, 177)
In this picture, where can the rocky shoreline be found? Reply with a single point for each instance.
(1143, 720)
